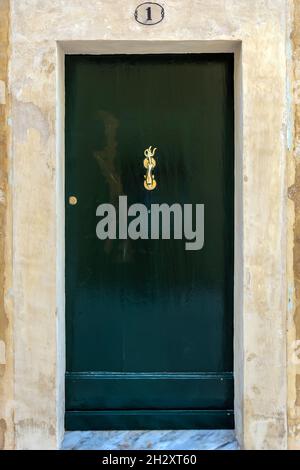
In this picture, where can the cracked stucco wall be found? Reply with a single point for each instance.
(6, 329)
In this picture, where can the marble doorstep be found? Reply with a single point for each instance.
(148, 440)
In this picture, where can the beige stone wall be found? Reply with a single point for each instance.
(265, 35)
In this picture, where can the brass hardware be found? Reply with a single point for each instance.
(72, 200)
(149, 164)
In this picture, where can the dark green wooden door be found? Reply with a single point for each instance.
(149, 324)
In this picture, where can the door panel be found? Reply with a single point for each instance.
(149, 325)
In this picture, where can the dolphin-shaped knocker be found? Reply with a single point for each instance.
(149, 164)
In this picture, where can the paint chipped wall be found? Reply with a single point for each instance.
(270, 30)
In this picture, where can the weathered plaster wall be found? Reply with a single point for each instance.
(293, 245)
(6, 330)
(262, 26)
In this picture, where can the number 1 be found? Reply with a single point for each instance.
(149, 17)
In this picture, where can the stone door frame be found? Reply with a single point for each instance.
(37, 150)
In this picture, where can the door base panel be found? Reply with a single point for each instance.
(149, 391)
(148, 419)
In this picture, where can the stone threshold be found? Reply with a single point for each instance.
(150, 440)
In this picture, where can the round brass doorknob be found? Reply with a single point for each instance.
(72, 200)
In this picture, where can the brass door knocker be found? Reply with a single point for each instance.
(149, 164)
